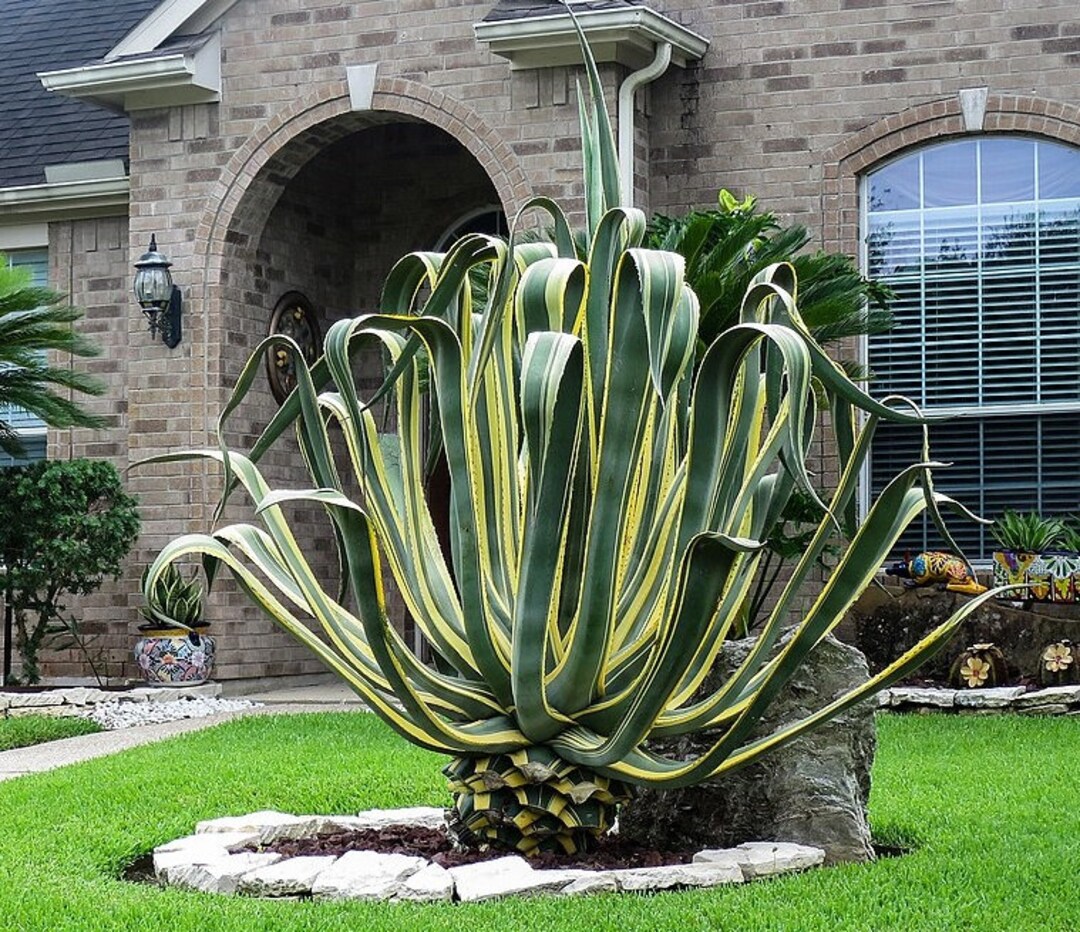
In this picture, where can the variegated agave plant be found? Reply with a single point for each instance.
(608, 501)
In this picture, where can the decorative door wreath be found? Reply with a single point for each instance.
(294, 317)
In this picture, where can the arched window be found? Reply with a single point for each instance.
(481, 220)
(980, 240)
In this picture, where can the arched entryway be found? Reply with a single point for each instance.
(322, 204)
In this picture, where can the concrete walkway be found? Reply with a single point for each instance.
(48, 756)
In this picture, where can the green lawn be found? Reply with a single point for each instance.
(992, 805)
(24, 730)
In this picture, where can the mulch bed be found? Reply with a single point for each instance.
(435, 845)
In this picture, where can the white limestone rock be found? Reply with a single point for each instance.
(1051, 696)
(913, 695)
(34, 700)
(188, 856)
(591, 882)
(430, 884)
(1050, 708)
(172, 693)
(218, 876)
(509, 876)
(365, 875)
(266, 823)
(645, 879)
(764, 858)
(420, 816)
(200, 849)
(997, 697)
(230, 841)
(303, 826)
(290, 877)
(74, 696)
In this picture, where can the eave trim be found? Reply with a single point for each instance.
(624, 35)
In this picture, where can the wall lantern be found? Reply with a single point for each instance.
(158, 297)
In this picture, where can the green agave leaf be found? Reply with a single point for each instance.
(610, 489)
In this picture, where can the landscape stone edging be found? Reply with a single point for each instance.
(1053, 700)
(211, 861)
(82, 697)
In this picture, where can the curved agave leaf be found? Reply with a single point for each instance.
(607, 500)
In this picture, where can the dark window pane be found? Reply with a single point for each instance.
(1008, 237)
(949, 175)
(894, 244)
(1008, 170)
(950, 239)
(896, 186)
(35, 446)
(1059, 171)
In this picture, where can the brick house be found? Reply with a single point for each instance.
(288, 151)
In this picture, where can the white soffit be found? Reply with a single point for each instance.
(626, 36)
(171, 78)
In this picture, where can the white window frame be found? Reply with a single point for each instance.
(983, 412)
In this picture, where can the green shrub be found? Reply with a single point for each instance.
(65, 526)
(1028, 532)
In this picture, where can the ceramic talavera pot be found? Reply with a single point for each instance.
(175, 657)
(1053, 576)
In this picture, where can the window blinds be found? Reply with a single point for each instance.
(980, 240)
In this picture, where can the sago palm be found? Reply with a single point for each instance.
(725, 247)
(34, 322)
(608, 504)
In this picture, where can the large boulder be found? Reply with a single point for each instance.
(813, 791)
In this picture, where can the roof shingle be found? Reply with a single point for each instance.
(38, 128)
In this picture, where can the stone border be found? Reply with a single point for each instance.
(74, 699)
(210, 861)
(1054, 700)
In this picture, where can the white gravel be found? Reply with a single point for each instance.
(113, 715)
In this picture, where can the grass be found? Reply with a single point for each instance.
(24, 730)
(992, 806)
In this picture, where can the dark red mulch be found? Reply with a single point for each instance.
(434, 844)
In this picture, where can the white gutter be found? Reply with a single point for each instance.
(101, 197)
(167, 79)
(627, 90)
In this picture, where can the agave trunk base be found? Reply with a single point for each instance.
(530, 801)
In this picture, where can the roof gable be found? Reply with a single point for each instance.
(170, 18)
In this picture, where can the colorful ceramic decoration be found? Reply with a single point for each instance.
(1052, 576)
(175, 658)
(933, 566)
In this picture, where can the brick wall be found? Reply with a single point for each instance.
(783, 83)
(283, 186)
(88, 262)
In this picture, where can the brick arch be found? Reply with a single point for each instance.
(255, 176)
(933, 121)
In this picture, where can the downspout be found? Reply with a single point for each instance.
(633, 81)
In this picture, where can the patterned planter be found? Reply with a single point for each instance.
(1054, 576)
(175, 657)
